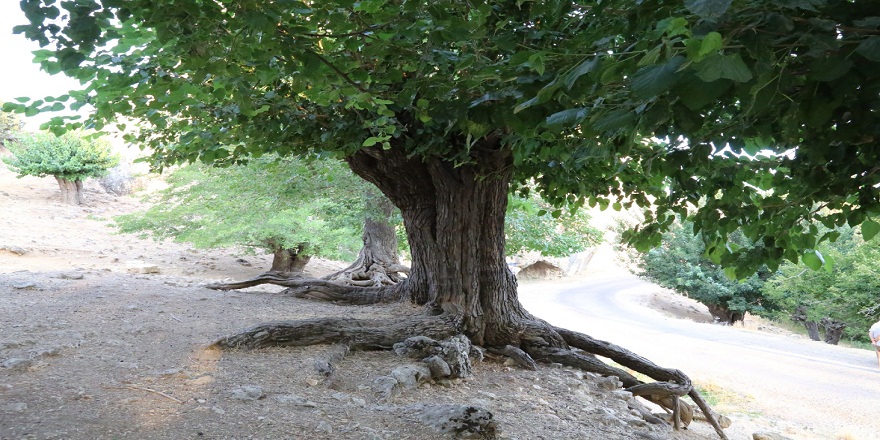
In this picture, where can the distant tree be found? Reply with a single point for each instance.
(680, 263)
(10, 126)
(70, 158)
(531, 226)
(841, 300)
(291, 208)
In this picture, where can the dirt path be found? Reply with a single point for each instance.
(90, 350)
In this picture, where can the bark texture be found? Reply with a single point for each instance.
(71, 191)
(378, 263)
(290, 262)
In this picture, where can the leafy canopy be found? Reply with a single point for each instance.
(72, 156)
(739, 115)
(267, 204)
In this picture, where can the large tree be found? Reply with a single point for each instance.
(740, 115)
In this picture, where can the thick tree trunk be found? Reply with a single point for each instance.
(833, 330)
(71, 191)
(290, 262)
(454, 218)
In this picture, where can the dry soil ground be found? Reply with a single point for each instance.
(92, 351)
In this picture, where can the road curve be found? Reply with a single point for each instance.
(804, 389)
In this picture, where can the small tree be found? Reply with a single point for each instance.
(291, 208)
(69, 158)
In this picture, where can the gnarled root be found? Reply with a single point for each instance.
(670, 386)
(364, 274)
(538, 340)
(320, 289)
(356, 334)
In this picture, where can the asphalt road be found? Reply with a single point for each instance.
(798, 387)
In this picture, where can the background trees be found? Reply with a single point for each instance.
(70, 158)
(841, 300)
(680, 263)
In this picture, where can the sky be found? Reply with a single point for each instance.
(19, 76)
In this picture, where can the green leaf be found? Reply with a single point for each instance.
(370, 141)
(582, 69)
(730, 273)
(567, 117)
(723, 66)
(711, 42)
(813, 259)
(651, 81)
(708, 9)
(870, 48)
(831, 68)
(870, 228)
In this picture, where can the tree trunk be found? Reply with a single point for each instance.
(454, 219)
(812, 330)
(290, 262)
(725, 315)
(833, 330)
(378, 263)
(800, 315)
(71, 191)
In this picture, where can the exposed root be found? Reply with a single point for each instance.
(264, 278)
(373, 275)
(326, 365)
(520, 357)
(319, 289)
(671, 383)
(356, 334)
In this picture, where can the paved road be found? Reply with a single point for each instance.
(807, 389)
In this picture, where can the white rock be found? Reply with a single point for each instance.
(137, 266)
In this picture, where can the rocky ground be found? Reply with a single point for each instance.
(104, 336)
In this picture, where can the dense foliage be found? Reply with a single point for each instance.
(72, 156)
(844, 297)
(267, 204)
(680, 263)
(756, 110)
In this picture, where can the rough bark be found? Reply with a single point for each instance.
(71, 191)
(800, 315)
